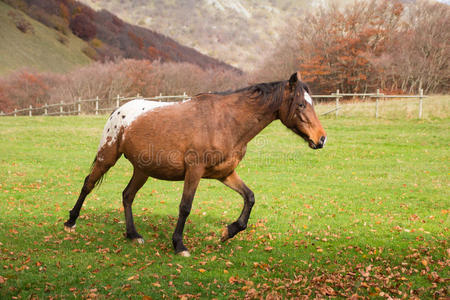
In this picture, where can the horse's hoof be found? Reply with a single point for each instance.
(139, 241)
(70, 229)
(184, 253)
(225, 235)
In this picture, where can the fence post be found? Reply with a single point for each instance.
(30, 112)
(184, 96)
(337, 103)
(376, 103)
(61, 108)
(160, 97)
(96, 105)
(420, 102)
(45, 109)
(118, 101)
(15, 112)
(79, 106)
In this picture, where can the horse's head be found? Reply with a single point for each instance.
(297, 113)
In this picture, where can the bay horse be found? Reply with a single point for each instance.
(205, 137)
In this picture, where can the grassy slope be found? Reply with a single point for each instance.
(374, 202)
(40, 51)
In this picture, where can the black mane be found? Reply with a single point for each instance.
(270, 93)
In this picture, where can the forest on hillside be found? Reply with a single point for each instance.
(108, 36)
(395, 46)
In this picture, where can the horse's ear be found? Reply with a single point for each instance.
(293, 80)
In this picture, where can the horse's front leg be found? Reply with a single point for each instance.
(191, 180)
(235, 182)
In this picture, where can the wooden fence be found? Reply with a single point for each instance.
(85, 106)
(96, 105)
(377, 96)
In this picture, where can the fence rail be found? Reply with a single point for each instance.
(97, 105)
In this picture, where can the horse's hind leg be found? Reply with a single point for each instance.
(100, 167)
(136, 182)
(235, 182)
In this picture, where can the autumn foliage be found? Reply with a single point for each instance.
(82, 27)
(118, 39)
(127, 77)
(367, 45)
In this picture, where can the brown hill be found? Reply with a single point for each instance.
(110, 37)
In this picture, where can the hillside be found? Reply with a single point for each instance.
(238, 32)
(39, 48)
(108, 37)
(58, 35)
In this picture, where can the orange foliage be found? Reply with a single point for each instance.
(64, 12)
(338, 46)
(136, 39)
(23, 88)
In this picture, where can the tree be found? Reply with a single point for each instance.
(366, 45)
(82, 26)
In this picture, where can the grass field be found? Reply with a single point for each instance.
(40, 50)
(367, 215)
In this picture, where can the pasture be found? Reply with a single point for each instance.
(367, 215)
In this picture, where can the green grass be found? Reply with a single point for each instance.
(40, 51)
(366, 215)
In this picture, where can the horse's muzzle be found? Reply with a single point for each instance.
(320, 144)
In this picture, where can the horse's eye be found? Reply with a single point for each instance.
(301, 105)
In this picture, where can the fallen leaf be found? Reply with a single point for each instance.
(135, 277)
(126, 287)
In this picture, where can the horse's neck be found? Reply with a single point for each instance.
(252, 124)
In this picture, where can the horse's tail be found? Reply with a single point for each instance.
(107, 155)
(100, 179)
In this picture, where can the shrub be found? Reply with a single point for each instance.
(138, 41)
(126, 77)
(96, 43)
(62, 39)
(21, 23)
(82, 26)
(24, 88)
(90, 52)
(19, 4)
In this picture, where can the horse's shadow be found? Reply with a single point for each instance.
(108, 228)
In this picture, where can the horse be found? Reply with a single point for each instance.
(204, 137)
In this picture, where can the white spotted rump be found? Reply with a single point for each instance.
(125, 115)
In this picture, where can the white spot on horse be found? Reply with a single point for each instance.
(125, 115)
(308, 98)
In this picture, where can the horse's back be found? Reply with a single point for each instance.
(124, 116)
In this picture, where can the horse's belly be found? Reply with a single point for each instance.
(225, 167)
(157, 163)
(221, 170)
